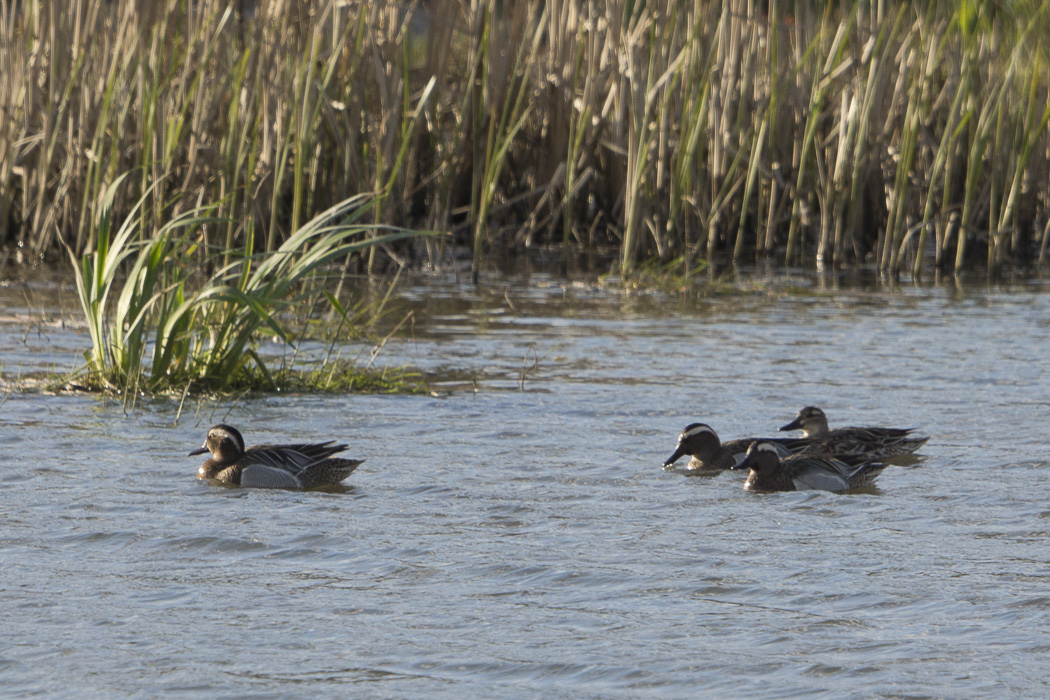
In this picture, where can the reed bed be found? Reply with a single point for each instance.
(898, 135)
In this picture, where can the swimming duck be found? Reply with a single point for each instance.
(876, 443)
(770, 472)
(708, 452)
(304, 466)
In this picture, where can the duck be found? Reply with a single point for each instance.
(701, 443)
(296, 467)
(876, 443)
(806, 472)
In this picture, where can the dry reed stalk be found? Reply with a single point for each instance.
(661, 128)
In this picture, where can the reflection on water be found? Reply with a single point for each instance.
(523, 540)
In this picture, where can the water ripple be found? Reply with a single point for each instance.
(512, 540)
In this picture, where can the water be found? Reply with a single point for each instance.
(522, 543)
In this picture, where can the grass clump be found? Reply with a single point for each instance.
(160, 322)
(335, 378)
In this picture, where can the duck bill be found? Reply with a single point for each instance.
(198, 451)
(742, 464)
(678, 454)
(793, 425)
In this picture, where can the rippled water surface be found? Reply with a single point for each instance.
(515, 536)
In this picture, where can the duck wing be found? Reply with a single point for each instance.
(292, 458)
(879, 442)
(819, 473)
(329, 472)
(263, 477)
(865, 474)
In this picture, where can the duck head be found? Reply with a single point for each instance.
(810, 420)
(225, 444)
(697, 440)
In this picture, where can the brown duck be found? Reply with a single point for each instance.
(874, 443)
(806, 472)
(701, 443)
(301, 466)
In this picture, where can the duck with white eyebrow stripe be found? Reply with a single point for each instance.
(770, 472)
(298, 466)
(701, 442)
